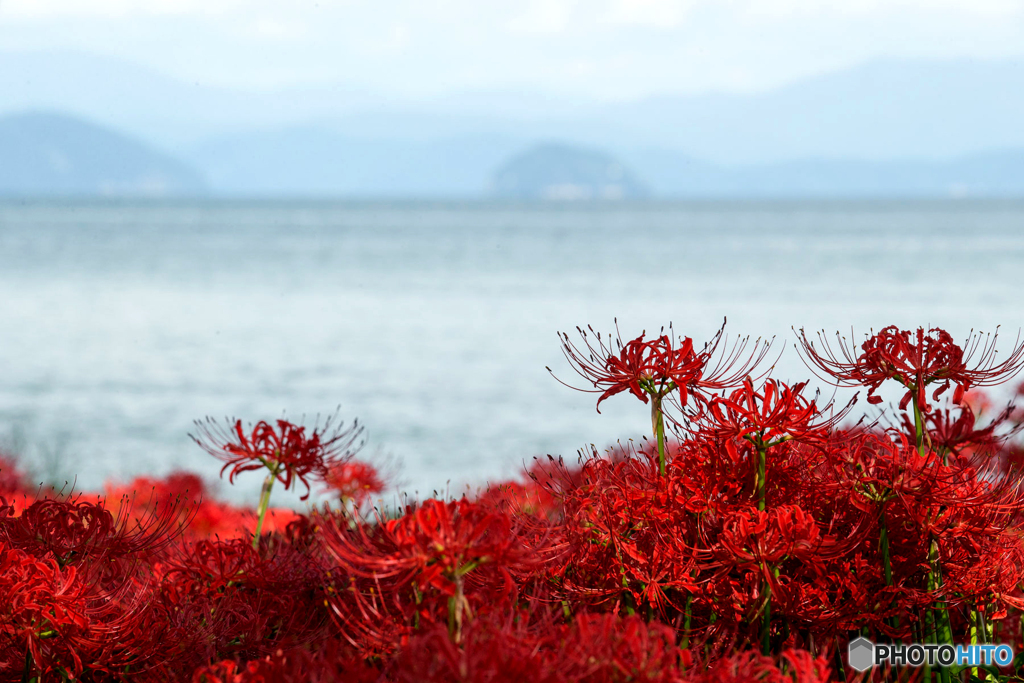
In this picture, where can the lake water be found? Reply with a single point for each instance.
(433, 323)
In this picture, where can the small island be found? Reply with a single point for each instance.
(561, 172)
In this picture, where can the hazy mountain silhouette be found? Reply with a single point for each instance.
(998, 173)
(54, 154)
(564, 172)
(892, 109)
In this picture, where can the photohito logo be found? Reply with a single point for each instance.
(863, 654)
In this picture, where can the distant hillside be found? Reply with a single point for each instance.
(44, 154)
(878, 111)
(989, 174)
(316, 162)
(554, 171)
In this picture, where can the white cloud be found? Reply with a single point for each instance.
(662, 14)
(611, 49)
(544, 16)
(276, 30)
(115, 8)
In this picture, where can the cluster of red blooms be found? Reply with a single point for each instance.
(749, 542)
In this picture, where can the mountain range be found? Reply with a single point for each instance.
(909, 128)
(51, 154)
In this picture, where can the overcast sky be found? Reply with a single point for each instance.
(607, 49)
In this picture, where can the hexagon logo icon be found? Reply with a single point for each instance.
(861, 654)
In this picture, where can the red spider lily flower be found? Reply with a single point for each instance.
(777, 413)
(40, 607)
(794, 666)
(287, 450)
(978, 401)
(915, 360)
(764, 538)
(495, 650)
(947, 434)
(616, 517)
(785, 547)
(207, 516)
(463, 553)
(74, 531)
(229, 599)
(594, 648)
(434, 544)
(642, 367)
(930, 492)
(353, 481)
(657, 367)
(328, 663)
(607, 647)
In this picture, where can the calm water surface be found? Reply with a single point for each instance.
(433, 323)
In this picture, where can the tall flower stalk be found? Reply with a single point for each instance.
(287, 451)
(767, 418)
(918, 360)
(659, 369)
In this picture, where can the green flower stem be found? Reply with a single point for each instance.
(919, 428)
(26, 676)
(456, 604)
(975, 619)
(687, 619)
(883, 547)
(658, 423)
(766, 618)
(761, 481)
(929, 627)
(940, 627)
(268, 484)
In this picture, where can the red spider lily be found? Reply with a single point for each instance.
(794, 666)
(643, 368)
(66, 622)
(93, 579)
(287, 450)
(594, 648)
(328, 663)
(465, 552)
(615, 519)
(227, 598)
(493, 650)
(768, 537)
(915, 360)
(353, 481)
(73, 531)
(983, 569)
(42, 606)
(434, 544)
(658, 367)
(538, 492)
(628, 566)
(608, 648)
(930, 490)
(146, 497)
(946, 434)
(978, 401)
(777, 413)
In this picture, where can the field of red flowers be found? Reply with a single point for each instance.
(757, 532)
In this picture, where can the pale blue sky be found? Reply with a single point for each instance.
(605, 49)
